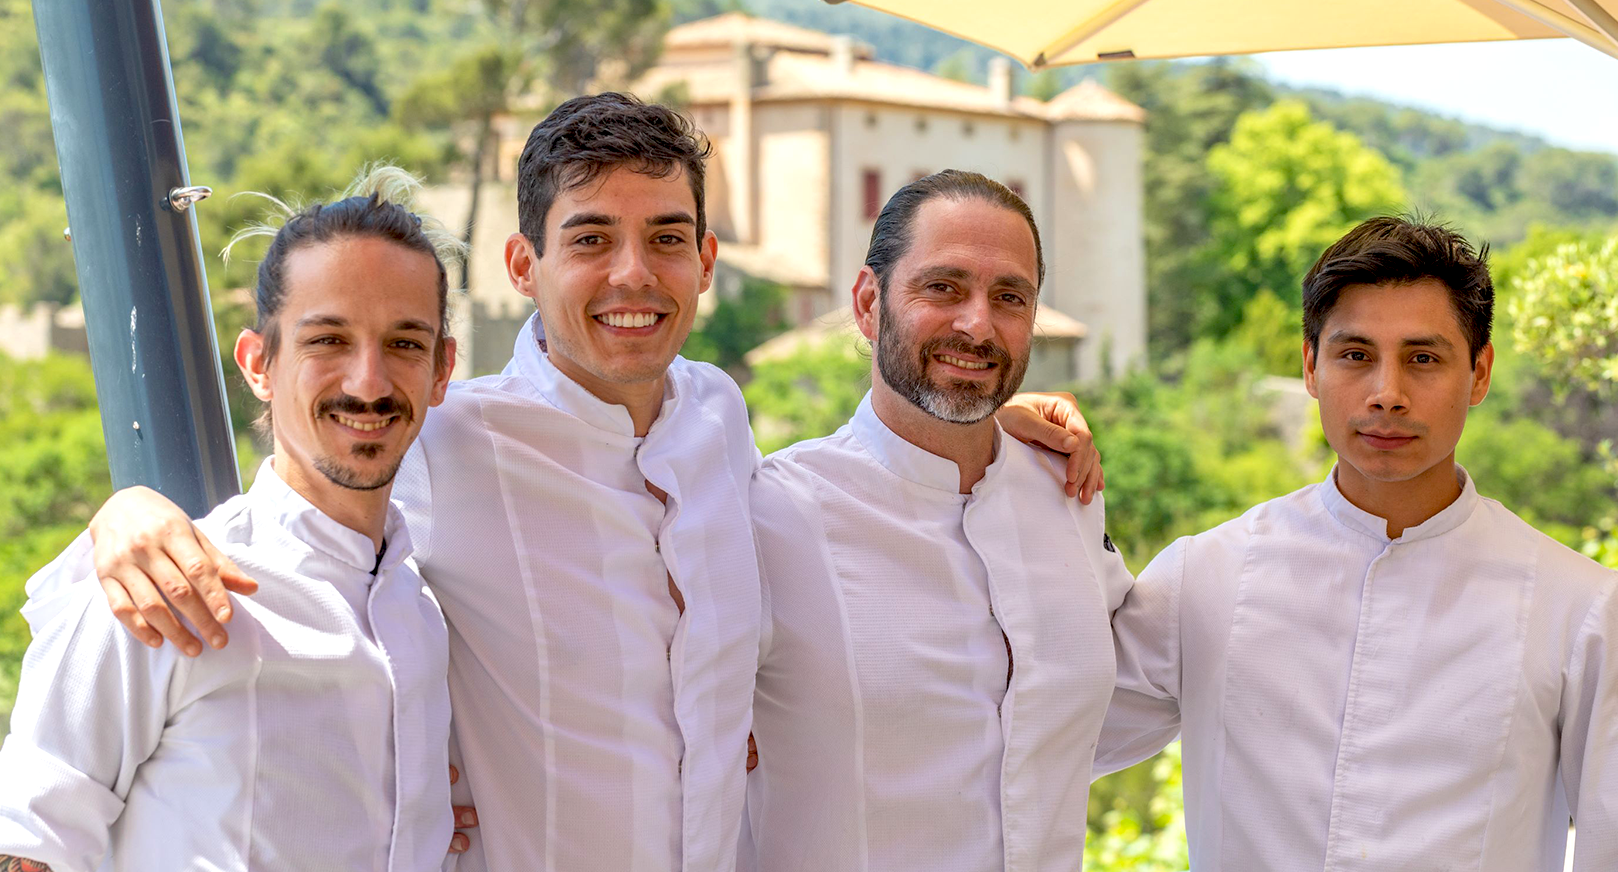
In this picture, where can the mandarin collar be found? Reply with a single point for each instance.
(320, 532)
(530, 362)
(1447, 519)
(911, 462)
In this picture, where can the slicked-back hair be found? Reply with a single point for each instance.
(376, 206)
(589, 136)
(891, 236)
(1400, 251)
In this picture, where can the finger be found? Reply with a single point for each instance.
(143, 591)
(230, 575)
(1037, 420)
(123, 608)
(1053, 436)
(1092, 482)
(454, 774)
(459, 843)
(176, 582)
(465, 816)
(213, 575)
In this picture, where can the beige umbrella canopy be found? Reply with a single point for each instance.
(1046, 33)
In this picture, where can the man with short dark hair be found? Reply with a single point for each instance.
(583, 519)
(319, 740)
(1384, 671)
(936, 658)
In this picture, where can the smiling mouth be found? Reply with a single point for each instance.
(963, 364)
(365, 426)
(629, 320)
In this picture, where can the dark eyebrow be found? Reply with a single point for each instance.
(953, 273)
(322, 321)
(1433, 341)
(1015, 283)
(411, 324)
(668, 218)
(1344, 337)
(593, 219)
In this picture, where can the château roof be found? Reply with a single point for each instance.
(737, 27)
(796, 63)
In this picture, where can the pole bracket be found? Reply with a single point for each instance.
(181, 199)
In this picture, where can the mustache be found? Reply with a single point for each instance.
(1414, 428)
(955, 345)
(344, 404)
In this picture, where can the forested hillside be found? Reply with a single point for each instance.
(1246, 182)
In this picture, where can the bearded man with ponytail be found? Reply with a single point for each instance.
(319, 740)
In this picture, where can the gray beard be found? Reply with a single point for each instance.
(905, 370)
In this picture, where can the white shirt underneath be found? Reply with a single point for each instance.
(317, 739)
(1349, 702)
(598, 729)
(889, 737)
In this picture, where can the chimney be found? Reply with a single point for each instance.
(1000, 81)
(842, 53)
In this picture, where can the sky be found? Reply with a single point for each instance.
(1558, 89)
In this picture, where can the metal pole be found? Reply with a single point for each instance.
(136, 250)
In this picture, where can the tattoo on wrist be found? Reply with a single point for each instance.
(20, 864)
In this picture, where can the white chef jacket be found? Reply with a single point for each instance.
(888, 737)
(597, 727)
(1350, 702)
(318, 739)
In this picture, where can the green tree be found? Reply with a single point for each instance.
(1127, 840)
(1191, 109)
(472, 91)
(738, 324)
(1287, 187)
(1565, 314)
(53, 473)
(1564, 309)
(808, 394)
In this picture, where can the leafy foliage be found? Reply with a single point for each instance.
(53, 474)
(1565, 314)
(1191, 108)
(1288, 186)
(809, 394)
(738, 324)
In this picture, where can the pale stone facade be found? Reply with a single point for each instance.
(811, 136)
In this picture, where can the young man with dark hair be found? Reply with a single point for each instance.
(936, 658)
(1384, 671)
(583, 519)
(319, 740)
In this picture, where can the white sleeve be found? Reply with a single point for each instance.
(90, 709)
(1144, 716)
(50, 589)
(1105, 560)
(1589, 753)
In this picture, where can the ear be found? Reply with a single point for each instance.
(1309, 369)
(708, 251)
(867, 301)
(250, 356)
(521, 263)
(441, 377)
(1482, 371)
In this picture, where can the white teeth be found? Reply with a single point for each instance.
(361, 425)
(628, 319)
(963, 364)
